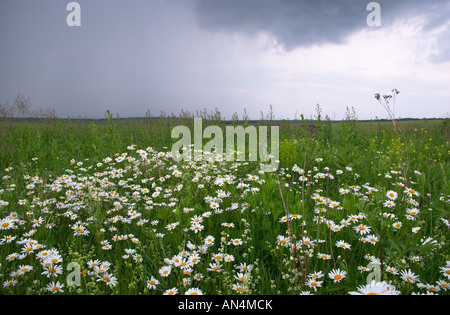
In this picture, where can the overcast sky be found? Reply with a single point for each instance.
(130, 56)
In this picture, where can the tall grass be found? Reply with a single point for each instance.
(60, 177)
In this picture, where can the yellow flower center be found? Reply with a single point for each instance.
(337, 277)
(5, 225)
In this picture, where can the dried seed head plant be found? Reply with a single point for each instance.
(388, 103)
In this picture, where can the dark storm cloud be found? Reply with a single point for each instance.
(297, 23)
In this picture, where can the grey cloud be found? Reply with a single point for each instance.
(299, 23)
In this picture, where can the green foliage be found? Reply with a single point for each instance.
(329, 172)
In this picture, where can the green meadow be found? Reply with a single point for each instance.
(100, 207)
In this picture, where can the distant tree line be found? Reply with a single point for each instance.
(22, 107)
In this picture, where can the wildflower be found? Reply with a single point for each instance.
(229, 225)
(323, 256)
(195, 218)
(7, 239)
(194, 258)
(336, 227)
(353, 218)
(209, 240)
(397, 225)
(362, 229)
(337, 275)
(93, 263)
(314, 284)
(282, 240)
(376, 288)
(409, 276)
(137, 258)
(25, 268)
(238, 288)
(165, 271)
(52, 270)
(415, 230)
(411, 192)
(316, 275)
(432, 288)
(445, 271)
(215, 267)
(171, 226)
(308, 242)
(244, 267)
(372, 239)
(197, 227)
(343, 244)
(217, 257)
(9, 283)
(177, 260)
(54, 287)
(214, 205)
(6, 224)
(236, 242)
(389, 204)
(106, 247)
(194, 291)
(413, 211)
(391, 194)
(241, 276)
(172, 291)
(443, 284)
(108, 279)
(333, 204)
(391, 270)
